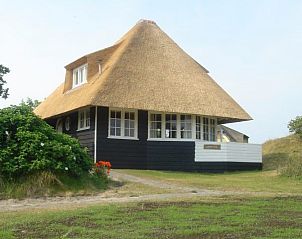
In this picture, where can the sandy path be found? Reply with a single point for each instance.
(109, 197)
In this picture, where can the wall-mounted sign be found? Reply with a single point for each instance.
(212, 146)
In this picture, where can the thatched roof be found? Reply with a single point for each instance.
(144, 70)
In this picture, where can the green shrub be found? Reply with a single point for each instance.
(295, 126)
(29, 145)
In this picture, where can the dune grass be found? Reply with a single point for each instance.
(49, 184)
(215, 218)
(277, 152)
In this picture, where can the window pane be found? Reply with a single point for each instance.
(132, 123)
(126, 115)
(112, 114)
(127, 123)
(155, 125)
(171, 126)
(118, 132)
(185, 126)
(87, 123)
(81, 75)
(132, 116)
(131, 132)
(153, 134)
(112, 123)
(118, 114)
(197, 119)
(118, 123)
(112, 131)
(205, 129)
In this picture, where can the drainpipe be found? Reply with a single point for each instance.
(95, 133)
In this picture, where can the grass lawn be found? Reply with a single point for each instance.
(196, 218)
(257, 181)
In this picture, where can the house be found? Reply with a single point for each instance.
(226, 134)
(143, 103)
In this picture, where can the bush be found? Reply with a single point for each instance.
(29, 145)
(295, 126)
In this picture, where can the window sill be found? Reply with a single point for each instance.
(77, 86)
(170, 139)
(122, 137)
(81, 129)
(180, 140)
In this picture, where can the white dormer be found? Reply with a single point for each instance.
(79, 76)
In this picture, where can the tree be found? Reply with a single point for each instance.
(3, 91)
(31, 103)
(295, 125)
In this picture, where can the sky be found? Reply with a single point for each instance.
(252, 49)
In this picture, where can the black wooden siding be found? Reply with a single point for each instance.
(170, 155)
(160, 155)
(85, 137)
(142, 154)
(122, 153)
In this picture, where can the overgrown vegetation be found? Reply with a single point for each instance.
(213, 218)
(34, 157)
(284, 155)
(29, 145)
(50, 184)
(3, 91)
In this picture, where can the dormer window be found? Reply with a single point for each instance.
(79, 76)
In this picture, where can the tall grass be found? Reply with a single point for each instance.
(293, 167)
(49, 184)
(284, 155)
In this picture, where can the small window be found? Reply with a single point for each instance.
(123, 123)
(79, 76)
(84, 119)
(185, 126)
(129, 123)
(171, 126)
(155, 125)
(115, 123)
(67, 123)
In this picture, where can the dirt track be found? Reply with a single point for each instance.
(110, 196)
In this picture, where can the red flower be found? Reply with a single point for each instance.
(104, 164)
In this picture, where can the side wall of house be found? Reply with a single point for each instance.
(143, 153)
(120, 152)
(160, 155)
(86, 137)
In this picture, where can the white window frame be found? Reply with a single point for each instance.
(75, 73)
(123, 111)
(86, 119)
(155, 121)
(178, 138)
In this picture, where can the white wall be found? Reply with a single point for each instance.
(229, 152)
